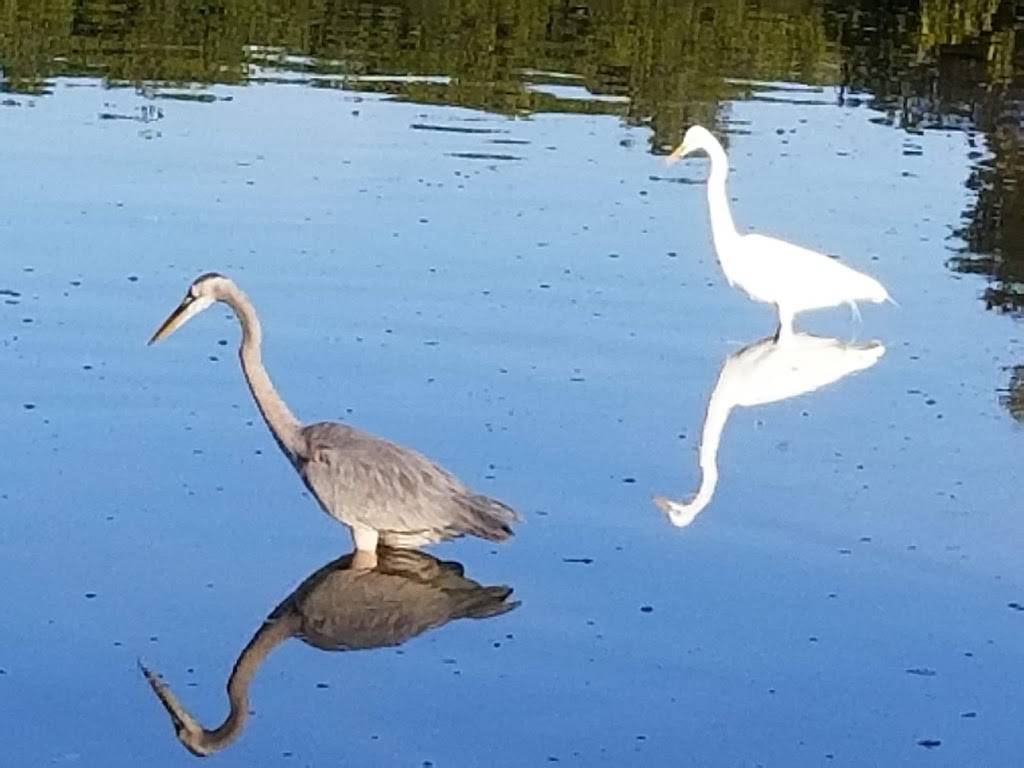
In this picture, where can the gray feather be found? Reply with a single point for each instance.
(363, 480)
(344, 608)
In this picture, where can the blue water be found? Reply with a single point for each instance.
(548, 324)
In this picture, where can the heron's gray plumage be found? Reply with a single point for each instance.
(345, 606)
(363, 480)
(381, 490)
(407, 593)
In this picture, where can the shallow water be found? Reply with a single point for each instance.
(475, 252)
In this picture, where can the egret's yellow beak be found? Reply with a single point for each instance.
(678, 154)
(185, 311)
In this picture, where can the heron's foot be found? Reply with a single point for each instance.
(365, 538)
(679, 514)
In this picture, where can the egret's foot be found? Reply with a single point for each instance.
(679, 514)
(783, 334)
(785, 330)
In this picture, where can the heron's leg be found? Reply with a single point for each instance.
(365, 538)
(363, 560)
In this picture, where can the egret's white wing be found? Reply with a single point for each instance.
(775, 271)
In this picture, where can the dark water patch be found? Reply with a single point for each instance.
(676, 179)
(199, 98)
(792, 101)
(483, 156)
(454, 128)
(116, 116)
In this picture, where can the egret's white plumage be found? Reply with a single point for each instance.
(770, 270)
(760, 373)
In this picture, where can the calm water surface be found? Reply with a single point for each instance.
(460, 234)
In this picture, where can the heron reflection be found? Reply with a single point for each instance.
(356, 602)
(760, 373)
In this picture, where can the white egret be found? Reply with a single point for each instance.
(760, 373)
(770, 270)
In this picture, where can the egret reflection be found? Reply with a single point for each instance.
(357, 602)
(760, 373)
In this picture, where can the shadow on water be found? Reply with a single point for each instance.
(930, 64)
(761, 373)
(350, 604)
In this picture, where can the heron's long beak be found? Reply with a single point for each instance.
(678, 154)
(187, 728)
(174, 321)
(189, 308)
(168, 699)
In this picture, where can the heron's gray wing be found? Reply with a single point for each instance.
(365, 480)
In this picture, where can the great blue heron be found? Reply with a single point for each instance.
(770, 270)
(766, 372)
(380, 490)
(354, 603)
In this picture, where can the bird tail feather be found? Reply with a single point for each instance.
(484, 602)
(487, 517)
(874, 291)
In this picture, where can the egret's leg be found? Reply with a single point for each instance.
(855, 311)
(365, 538)
(785, 329)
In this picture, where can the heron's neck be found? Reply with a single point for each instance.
(279, 418)
(203, 741)
(268, 637)
(723, 230)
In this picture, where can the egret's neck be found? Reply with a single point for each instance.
(711, 437)
(723, 229)
(682, 513)
(279, 418)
